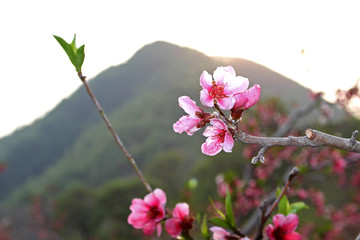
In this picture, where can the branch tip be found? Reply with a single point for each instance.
(310, 134)
(293, 173)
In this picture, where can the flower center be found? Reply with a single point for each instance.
(221, 135)
(217, 91)
(279, 233)
(187, 223)
(153, 212)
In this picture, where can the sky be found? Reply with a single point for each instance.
(316, 43)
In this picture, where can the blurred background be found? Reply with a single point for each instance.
(60, 168)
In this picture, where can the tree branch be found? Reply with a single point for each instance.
(312, 138)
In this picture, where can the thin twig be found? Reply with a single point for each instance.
(267, 210)
(114, 134)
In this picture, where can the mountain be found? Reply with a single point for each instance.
(71, 143)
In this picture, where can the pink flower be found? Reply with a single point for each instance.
(284, 228)
(245, 100)
(218, 137)
(222, 89)
(192, 122)
(181, 221)
(146, 214)
(221, 234)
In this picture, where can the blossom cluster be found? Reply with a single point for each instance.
(149, 213)
(222, 91)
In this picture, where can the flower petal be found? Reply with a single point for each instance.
(138, 205)
(219, 233)
(217, 123)
(211, 146)
(186, 124)
(236, 85)
(188, 105)
(206, 99)
(206, 80)
(158, 229)
(137, 220)
(149, 228)
(226, 103)
(290, 223)
(269, 231)
(173, 227)
(228, 143)
(278, 220)
(181, 210)
(160, 194)
(211, 131)
(151, 200)
(293, 236)
(224, 74)
(248, 98)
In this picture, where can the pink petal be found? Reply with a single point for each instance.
(290, 223)
(138, 205)
(188, 105)
(206, 99)
(269, 231)
(211, 131)
(158, 229)
(173, 227)
(236, 85)
(222, 74)
(160, 194)
(211, 147)
(278, 220)
(206, 80)
(181, 210)
(149, 228)
(219, 233)
(186, 124)
(293, 236)
(217, 123)
(228, 143)
(151, 200)
(226, 103)
(248, 98)
(137, 220)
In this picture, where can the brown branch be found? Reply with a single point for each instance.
(313, 138)
(114, 134)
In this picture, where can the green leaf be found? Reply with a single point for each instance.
(220, 222)
(204, 229)
(297, 206)
(217, 210)
(76, 55)
(284, 206)
(80, 56)
(229, 210)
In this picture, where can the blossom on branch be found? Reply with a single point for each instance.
(196, 119)
(181, 221)
(245, 100)
(284, 228)
(146, 214)
(222, 88)
(221, 234)
(218, 137)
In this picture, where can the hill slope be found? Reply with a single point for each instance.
(140, 97)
